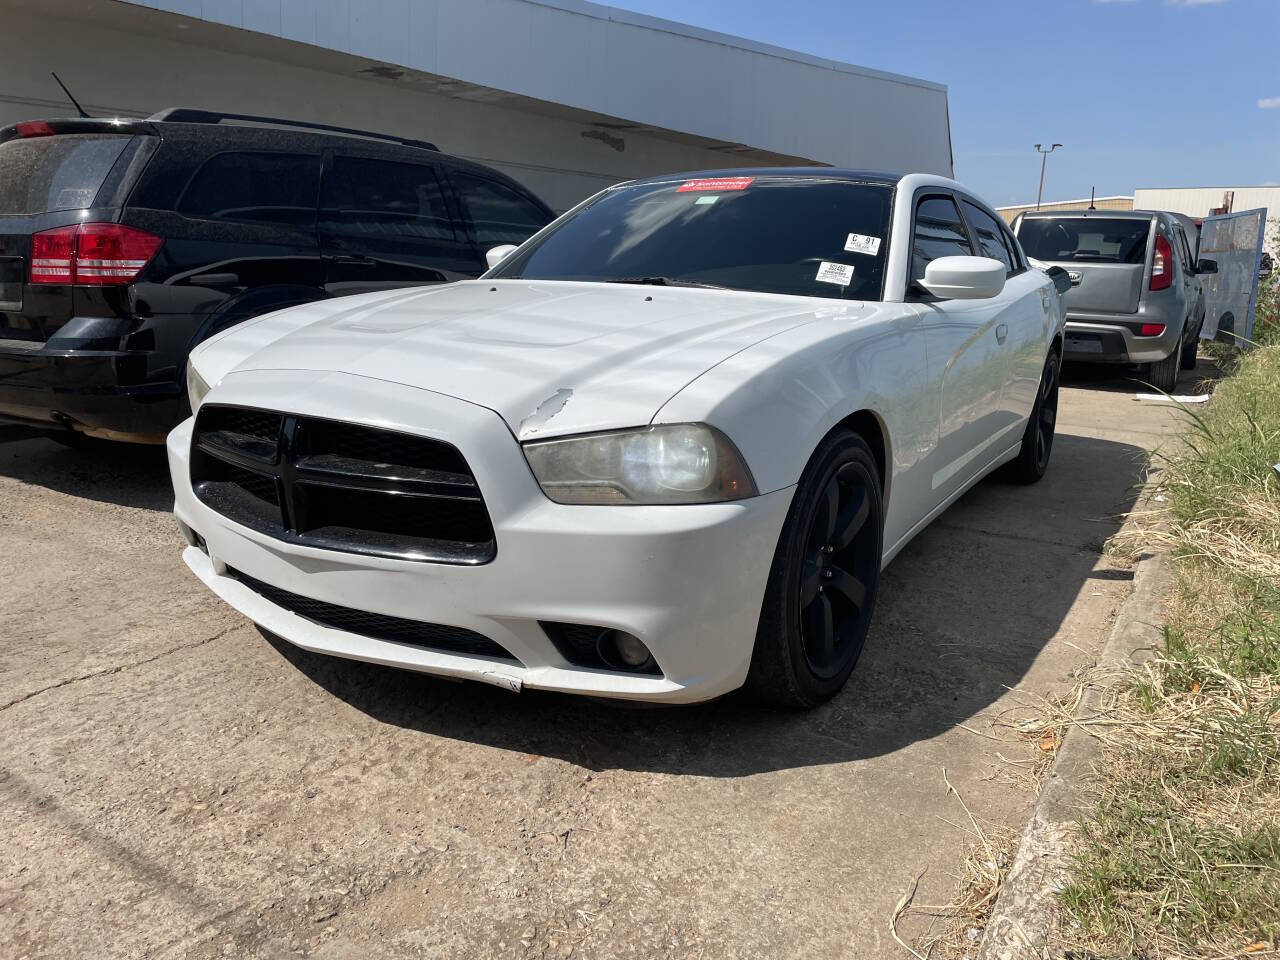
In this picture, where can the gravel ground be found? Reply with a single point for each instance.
(173, 783)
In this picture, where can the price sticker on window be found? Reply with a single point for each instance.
(841, 274)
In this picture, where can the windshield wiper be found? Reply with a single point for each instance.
(667, 282)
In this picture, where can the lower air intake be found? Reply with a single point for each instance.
(430, 636)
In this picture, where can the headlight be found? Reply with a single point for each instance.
(196, 387)
(679, 463)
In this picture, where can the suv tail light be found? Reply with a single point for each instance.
(91, 254)
(53, 254)
(1162, 264)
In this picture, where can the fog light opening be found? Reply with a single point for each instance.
(623, 651)
(193, 539)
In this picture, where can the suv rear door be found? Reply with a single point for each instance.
(238, 222)
(386, 220)
(1106, 257)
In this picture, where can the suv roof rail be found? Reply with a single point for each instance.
(193, 115)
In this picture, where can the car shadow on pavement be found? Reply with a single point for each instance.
(963, 613)
(1118, 378)
(130, 475)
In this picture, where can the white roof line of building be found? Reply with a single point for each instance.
(1054, 203)
(599, 11)
(1255, 186)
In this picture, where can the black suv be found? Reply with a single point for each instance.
(124, 243)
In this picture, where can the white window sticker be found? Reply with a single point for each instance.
(857, 243)
(838, 273)
(707, 198)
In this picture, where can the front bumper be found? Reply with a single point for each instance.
(1101, 338)
(687, 580)
(89, 391)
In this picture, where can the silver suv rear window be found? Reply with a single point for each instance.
(1085, 239)
(43, 174)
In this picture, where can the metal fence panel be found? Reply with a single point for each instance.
(1234, 240)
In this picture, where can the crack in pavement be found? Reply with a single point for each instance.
(1024, 538)
(107, 671)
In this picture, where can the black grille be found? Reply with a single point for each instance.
(432, 636)
(340, 486)
(250, 423)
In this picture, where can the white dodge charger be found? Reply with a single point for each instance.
(661, 450)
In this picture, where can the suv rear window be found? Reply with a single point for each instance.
(43, 174)
(1085, 239)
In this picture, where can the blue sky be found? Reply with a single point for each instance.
(1141, 93)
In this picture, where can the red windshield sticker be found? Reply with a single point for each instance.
(718, 183)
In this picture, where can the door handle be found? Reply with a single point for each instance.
(1002, 332)
(356, 261)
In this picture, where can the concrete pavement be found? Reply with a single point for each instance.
(174, 784)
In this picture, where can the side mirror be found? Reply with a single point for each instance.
(495, 255)
(1061, 279)
(1206, 266)
(964, 278)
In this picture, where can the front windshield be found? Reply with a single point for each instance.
(813, 237)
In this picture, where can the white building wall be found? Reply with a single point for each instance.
(627, 65)
(118, 73)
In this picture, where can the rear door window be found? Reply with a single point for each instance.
(989, 236)
(939, 232)
(1085, 239)
(254, 187)
(1184, 249)
(500, 214)
(65, 172)
(385, 198)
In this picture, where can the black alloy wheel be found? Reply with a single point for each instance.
(835, 573)
(821, 591)
(1037, 439)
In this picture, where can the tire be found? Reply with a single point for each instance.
(1163, 374)
(1191, 348)
(1037, 438)
(822, 586)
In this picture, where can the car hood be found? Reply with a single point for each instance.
(550, 357)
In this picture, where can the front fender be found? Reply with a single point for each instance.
(777, 399)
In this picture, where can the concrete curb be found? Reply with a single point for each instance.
(1026, 914)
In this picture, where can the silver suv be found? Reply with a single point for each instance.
(1135, 292)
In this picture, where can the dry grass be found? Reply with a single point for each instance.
(960, 922)
(1035, 727)
(1180, 858)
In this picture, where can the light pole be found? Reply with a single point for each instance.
(1044, 156)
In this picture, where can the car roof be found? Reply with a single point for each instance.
(203, 123)
(829, 173)
(1084, 212)
(265, 132)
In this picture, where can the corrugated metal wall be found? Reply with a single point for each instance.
(1200, 201)
(1102, 203)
